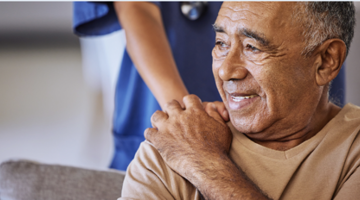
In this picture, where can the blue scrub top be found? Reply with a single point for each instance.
(191, 43)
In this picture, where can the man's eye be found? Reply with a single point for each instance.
(252, 48)
(221, 44)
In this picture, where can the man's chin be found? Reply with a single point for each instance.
(245, 124)
(238, 124)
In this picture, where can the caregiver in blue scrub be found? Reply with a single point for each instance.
(168, 55)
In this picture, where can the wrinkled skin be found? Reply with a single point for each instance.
(243, 66)
(258, 56)
(196, 123)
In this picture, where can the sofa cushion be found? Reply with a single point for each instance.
(28, 180)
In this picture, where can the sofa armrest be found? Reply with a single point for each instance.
(28, 180)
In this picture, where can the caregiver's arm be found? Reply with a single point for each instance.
(150, 51)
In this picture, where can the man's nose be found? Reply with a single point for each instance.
(233, 67)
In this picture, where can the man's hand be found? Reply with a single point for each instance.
(189, 138)
(195, 142)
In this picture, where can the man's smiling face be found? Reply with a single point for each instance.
(268, 87)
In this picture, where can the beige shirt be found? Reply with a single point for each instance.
(324, 167)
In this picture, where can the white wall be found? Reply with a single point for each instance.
(353, 64)
(35, 17)
(47, 111)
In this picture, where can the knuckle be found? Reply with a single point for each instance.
(212, 105)
(191, 97)
(149, 132)
(171, 103)
(193, 101)
(158, 113)
(157, 116)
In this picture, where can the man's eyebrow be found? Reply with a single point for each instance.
(257, 36)
(247, 33)
(218, 28)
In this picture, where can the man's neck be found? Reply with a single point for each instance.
(321, 117)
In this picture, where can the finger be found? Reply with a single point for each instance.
(204, 104)
(220, 107)
(173, 107)
(157, 118)
(150, 134)
(192, 101)
(213, 112)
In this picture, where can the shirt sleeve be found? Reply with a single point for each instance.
(148, 177)
(95, 18)
(350, 184)
(351, 188)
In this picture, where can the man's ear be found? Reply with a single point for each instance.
(332, 54)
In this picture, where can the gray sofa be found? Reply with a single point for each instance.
(28, 180)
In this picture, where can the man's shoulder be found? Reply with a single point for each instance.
(351, 111)
(344, 128)
(148, 160)
(349, 126)
(347, 121)
(148, 154)
(342, 148)
(149, 177)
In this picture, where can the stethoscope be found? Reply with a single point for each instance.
(193, 10)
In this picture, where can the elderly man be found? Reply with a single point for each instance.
(273, 63)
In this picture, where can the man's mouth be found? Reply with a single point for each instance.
(238, 101)
(241, 98)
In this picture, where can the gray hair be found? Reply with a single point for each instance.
(325, 20)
